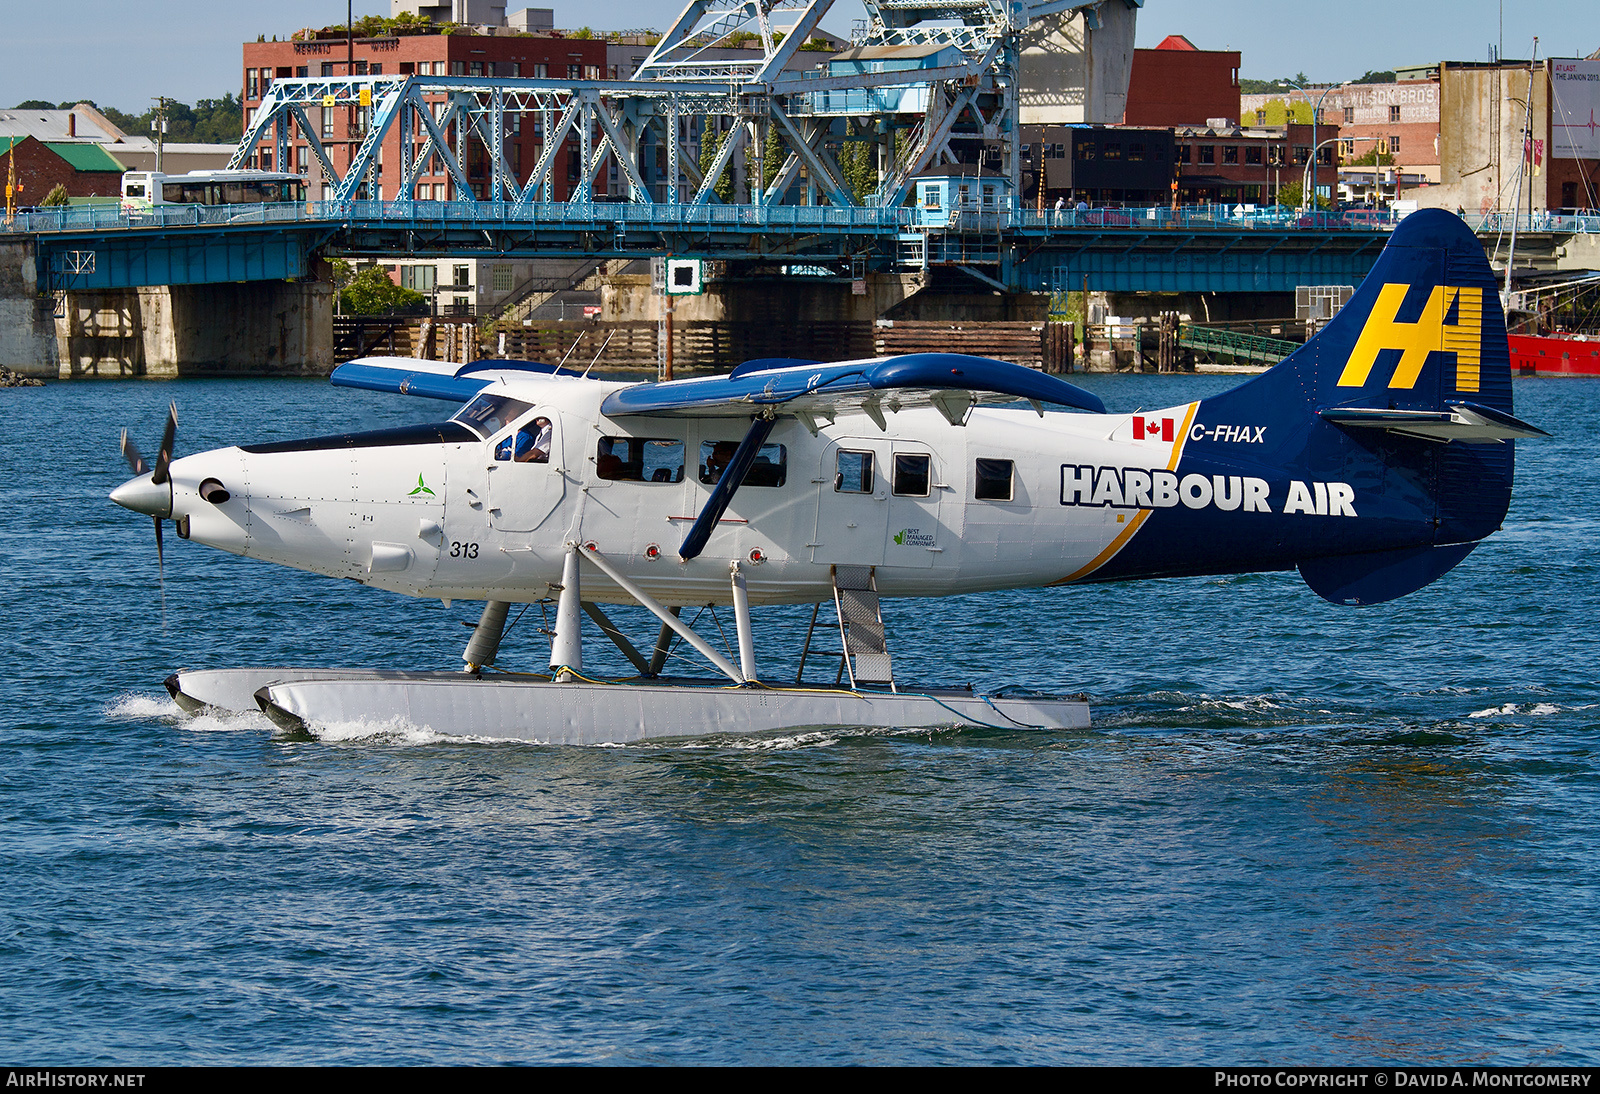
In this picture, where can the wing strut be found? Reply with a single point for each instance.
(722, 494)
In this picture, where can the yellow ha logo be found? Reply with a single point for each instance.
(1416, 340)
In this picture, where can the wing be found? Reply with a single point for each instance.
(431, 379)
(951, 382)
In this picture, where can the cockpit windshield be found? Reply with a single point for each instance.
(489, 414)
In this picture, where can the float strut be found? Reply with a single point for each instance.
(658, 656)
(741, 620)
(566, 645)
(485, 640)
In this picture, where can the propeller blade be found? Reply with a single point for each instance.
(130, 452)
(164, 453)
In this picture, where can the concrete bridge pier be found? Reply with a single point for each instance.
(253, 328)
(27, 331)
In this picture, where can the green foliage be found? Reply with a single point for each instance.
(35, 104)
(858, 162)
(57, 196)
(1267, 87)
(371, 292)
(1373, 158)
(1293, 193)
(209, 121)
(1384, 77)
(582, 32)
(710, 141)
(817, 45)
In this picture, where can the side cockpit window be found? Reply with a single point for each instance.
(529, 444)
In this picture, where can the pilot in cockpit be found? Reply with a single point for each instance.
(530, 444)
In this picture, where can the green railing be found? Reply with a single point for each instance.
(1242, 348)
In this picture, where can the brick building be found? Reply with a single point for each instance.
(1178, 84)
(85, 168)
(426, 52)
(1248, 164)
(1399, 120)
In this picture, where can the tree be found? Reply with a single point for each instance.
(371, 292)
(857, 161)
(710, 141)
(1293, 193)
(57, 196)
(1371, 159)
(1370, 77)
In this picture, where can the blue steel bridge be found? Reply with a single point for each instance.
(934, 90)
(1157, 250)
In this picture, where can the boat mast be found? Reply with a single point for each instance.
(1522, 163)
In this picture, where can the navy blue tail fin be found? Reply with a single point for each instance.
(1406, 392)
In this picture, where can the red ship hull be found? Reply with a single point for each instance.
(1536, 355)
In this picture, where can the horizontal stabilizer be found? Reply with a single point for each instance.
(951, 382)
(1466, 422)
(1377, 576)
(445, 380)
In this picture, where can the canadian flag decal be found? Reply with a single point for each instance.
(1152, 429)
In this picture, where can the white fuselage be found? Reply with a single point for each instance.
(449, 520)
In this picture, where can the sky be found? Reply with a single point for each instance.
(189, 49)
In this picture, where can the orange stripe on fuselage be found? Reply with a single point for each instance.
(1126, 534)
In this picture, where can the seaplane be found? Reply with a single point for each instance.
(1372, 459)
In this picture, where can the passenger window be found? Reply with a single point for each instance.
(771, 467)
(640, 459)
(911, 474)
(854, 475)
(993, 480)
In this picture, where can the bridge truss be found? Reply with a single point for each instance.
(913, 118)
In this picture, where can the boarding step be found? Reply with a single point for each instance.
(855, 597)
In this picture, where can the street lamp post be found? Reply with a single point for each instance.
(1316, 113)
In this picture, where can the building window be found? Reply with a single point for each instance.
(591, 72)
(375, 70)
(1252, 154)
(574, 72)
(417, 278)
(1275, 155)
(1086, 151)
(541, 72)
(1394, 145)
(302, 71)
(1349, 115)
(502, 278)
(252, 85)
(1302, 155)
(1136, 152)
(1208, 153)
(461, 277)
(458, 68)
(475, 68)
(327, 68)
(1183, 153)
(1325, 154)
(1230, 153)
(1261, 117)
(1113, 150)
(1394, 113)
(361, 68)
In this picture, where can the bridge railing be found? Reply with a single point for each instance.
(645, 216)
(73, 218)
